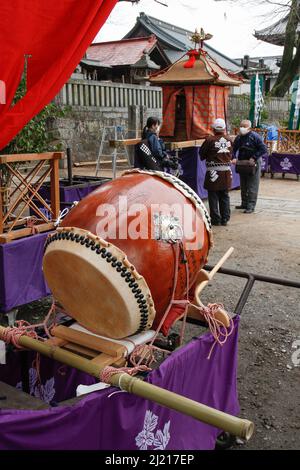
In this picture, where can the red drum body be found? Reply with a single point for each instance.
(140, 218)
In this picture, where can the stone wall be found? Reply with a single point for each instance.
(92, 106)
(81, 129)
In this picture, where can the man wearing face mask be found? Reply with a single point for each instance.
(249, 146)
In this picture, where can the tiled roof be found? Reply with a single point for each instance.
(176, 41)
(275, 34)
(124, 52)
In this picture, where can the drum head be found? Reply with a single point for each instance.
(96, 284)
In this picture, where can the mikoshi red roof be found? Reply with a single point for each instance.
(124, 52)
(199, 69)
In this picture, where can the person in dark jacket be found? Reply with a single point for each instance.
(151, 134)
(249, 146)
(217, 151)
(151, 153)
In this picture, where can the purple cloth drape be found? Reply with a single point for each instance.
(285, 163)
(71, 193)
(122, 421)
(265, 163)
(21, 276)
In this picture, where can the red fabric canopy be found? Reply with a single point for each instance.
(56, 36)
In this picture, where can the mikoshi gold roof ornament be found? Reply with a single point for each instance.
(200, 68)
(199, 37)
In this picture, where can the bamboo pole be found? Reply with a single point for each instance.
(236, 426)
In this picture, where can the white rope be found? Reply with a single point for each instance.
(62, 214)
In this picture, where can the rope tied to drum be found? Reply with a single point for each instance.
(218, 330)
(145, 353)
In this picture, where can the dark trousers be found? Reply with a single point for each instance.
(250, 187)
(219, 206)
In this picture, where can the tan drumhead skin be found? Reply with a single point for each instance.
(106, 297)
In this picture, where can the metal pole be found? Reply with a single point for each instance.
(244, 296)
(69, 160)
(257, 277)
(249, 285)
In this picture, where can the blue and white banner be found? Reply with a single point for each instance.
(257, 100)
(294, 122)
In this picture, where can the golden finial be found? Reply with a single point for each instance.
(199, 38)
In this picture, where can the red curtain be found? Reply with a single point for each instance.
(204, 104)
(56, 36)
(169, 109)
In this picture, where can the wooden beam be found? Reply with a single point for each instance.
(78, 164)
(29, 157)
(85, 352)
(89, 341)
(104, 360)
(1, 213)
(56, 342)
(185, 144)
(54, 184)
(25, 232)
(125, 142)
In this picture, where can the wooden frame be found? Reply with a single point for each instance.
(26, 190)
(288, 141)
(102, 352)
(170, 145)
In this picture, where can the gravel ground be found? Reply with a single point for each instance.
(268, 243)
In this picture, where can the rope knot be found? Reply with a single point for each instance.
(12, 334)
(218, 330)
(108, 372)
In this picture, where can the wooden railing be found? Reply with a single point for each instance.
(19, 192)
(288, 141)
(89, 93)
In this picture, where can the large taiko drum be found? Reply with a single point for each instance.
(112, 262)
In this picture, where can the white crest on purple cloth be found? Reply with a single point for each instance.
(44, 392)
(286, 164)
(146, 438)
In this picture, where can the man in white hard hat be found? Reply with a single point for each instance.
(217, 151)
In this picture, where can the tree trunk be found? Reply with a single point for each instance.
(289, 67)
(283, 87)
